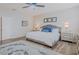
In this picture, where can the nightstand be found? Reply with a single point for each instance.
(35, 30)
(68, 37)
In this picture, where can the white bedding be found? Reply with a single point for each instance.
(49, 38)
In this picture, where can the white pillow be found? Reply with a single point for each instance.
(55, 30)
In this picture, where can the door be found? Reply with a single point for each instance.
(0, 30)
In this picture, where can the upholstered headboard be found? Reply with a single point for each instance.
(51, 26)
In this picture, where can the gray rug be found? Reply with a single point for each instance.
(23, 48)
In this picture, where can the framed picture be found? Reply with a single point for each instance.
(45, 20)
(54, 19)
(51, 19)
(24, 23)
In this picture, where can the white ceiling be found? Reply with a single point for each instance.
(11, 7)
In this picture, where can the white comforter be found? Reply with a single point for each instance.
(50, 38)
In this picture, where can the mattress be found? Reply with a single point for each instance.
(49, 38)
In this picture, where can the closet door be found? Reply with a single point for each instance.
(0, 30)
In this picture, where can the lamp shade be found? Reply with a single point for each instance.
(36, 26)
(66, 24)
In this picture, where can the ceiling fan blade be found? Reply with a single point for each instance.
(25, 6)
(40, 5)
(28, 3)
(34, 3)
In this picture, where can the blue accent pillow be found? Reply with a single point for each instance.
(46, 30)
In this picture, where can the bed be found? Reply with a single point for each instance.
(49, 35)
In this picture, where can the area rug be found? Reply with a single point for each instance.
(23, 48)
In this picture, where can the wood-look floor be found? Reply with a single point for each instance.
(61, 47)
(66, 48)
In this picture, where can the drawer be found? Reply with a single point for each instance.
(67, 36)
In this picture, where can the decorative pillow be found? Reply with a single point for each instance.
(46, 30)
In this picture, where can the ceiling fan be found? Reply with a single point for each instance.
(33, 4)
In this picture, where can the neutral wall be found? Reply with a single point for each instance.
(12, 21)
(70, 15)
(11, 25)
